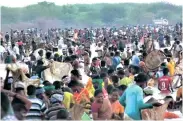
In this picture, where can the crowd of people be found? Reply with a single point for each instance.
(112, 58)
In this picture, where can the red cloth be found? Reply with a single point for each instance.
(164, 84)
(20, 43)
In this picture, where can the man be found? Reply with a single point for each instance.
(7, 37)
(165, 83)
(80, 94)
(94, 68)
(41, 53)
(16, 50)
(99, 49)
(124, 80)
(171, 66)
(76, 75)
(39, 68)
(38, 107)
(135, 59)
(86, 62)
(176, 48)
(167, 38)
(116, 60)
(20, 104)
(2, 51)
(56, 105)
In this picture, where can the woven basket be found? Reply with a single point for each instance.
(156, 113)
(154, 59)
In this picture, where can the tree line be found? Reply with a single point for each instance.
(94, 14)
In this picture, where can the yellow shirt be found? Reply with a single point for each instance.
(171, 68)
(91, 89)
(125, 81)
(68, 99)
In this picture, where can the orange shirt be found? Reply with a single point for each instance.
(82, 97)
(117, 108)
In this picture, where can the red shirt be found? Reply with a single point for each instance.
(164, 84)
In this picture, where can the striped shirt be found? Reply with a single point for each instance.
(51, 113)
(37, 109)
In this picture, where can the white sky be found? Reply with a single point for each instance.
(22, 3)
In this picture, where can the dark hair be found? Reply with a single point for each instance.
(103, 75)
(163, 64)
(31, 90)
(168, 59)
(115, 78)
(144, 54)
(165, 71)
(64, 76)
(141, 77)
(115, 50)
(119, 68)
(46, 83)
(5, 103)
(121, 72)
(75, 73)
(103, 63)
(57, 84)
(62, 114)
(67, 89)
(135, 68)
(111, 54)
(122, 87)
(178, 42)
(67, 59)
(18, 89)
(117, 53)
(110, 88)
(70, 51)
(48, 55)
(110, 71)
(74, 57)
(94, 59)
(98, 91)
(40, 51)
(126, 62)
(74, 83)
(40, 62)
(133, 52)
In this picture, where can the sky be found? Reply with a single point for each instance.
(22, 3)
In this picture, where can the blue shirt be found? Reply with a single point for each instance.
(135, 60)
(132, 99)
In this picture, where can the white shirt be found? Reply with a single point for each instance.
(2, 49)
(16, 50)
(156, 46)
(99, 52)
